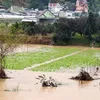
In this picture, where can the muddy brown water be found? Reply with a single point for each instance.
(23, 86)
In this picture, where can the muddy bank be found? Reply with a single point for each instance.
(24, 86)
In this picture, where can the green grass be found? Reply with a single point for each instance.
(23, 60)
(79, 40)
(87, 58)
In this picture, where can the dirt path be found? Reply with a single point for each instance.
(53, 60)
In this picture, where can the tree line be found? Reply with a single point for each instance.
(94, 5)
(63, 29)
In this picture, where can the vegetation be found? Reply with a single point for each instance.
(79, 31)
(91, 26)
(23, 60)
(7, 44)
(7, 3)
(94, 5)
(51, 82)
(89, 58)
(63, 30)
(83, 76)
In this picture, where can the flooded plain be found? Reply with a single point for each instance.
(23, 85)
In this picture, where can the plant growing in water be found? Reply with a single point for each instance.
(51, 82)
(8, 42)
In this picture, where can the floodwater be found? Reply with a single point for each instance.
(31, 47)
(24, 86)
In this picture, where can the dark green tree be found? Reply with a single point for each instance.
(63, 33)
(94, 5)
(7, 3)
(41, 4)
(91, 25)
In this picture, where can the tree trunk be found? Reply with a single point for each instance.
(2, 74)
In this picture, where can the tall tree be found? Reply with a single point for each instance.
(41, 4)
(94, 5)
(7, 3)
(91, 25)
(7, 44)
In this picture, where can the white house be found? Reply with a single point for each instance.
(55, 8)
(30, 19)
(69, 14)
(99, 13)
(16, 9)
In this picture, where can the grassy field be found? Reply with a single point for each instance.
(89, 58)
(27, 59)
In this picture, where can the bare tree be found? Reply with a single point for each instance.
(7, 44)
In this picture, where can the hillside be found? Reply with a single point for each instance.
(30, 3)
(20, 2)
(94, 5)
(15, 2)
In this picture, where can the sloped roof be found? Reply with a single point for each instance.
(27, 19)
(47, 14)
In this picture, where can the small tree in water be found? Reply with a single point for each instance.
(7, 45)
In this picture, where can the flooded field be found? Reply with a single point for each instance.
(30, 47)
(24, 86)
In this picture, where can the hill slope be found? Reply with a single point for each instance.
(15, 2)
(30, 2)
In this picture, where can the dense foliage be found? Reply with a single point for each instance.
(63, 30)
(87, 59)
(37, 56)
(94, 5)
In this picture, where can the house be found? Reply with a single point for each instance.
(81, 5)
(66, 14)
(31, 12)
(99, 13)
(30, 19)
(16, 9)
(46, 16)
(31, 15)
(2, 7)
(69, 14)
(55, 8)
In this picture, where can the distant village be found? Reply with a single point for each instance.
(54, 12)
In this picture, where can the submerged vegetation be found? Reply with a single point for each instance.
(83, 76)
(88, 58)
(51, 82)
(23, 60)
